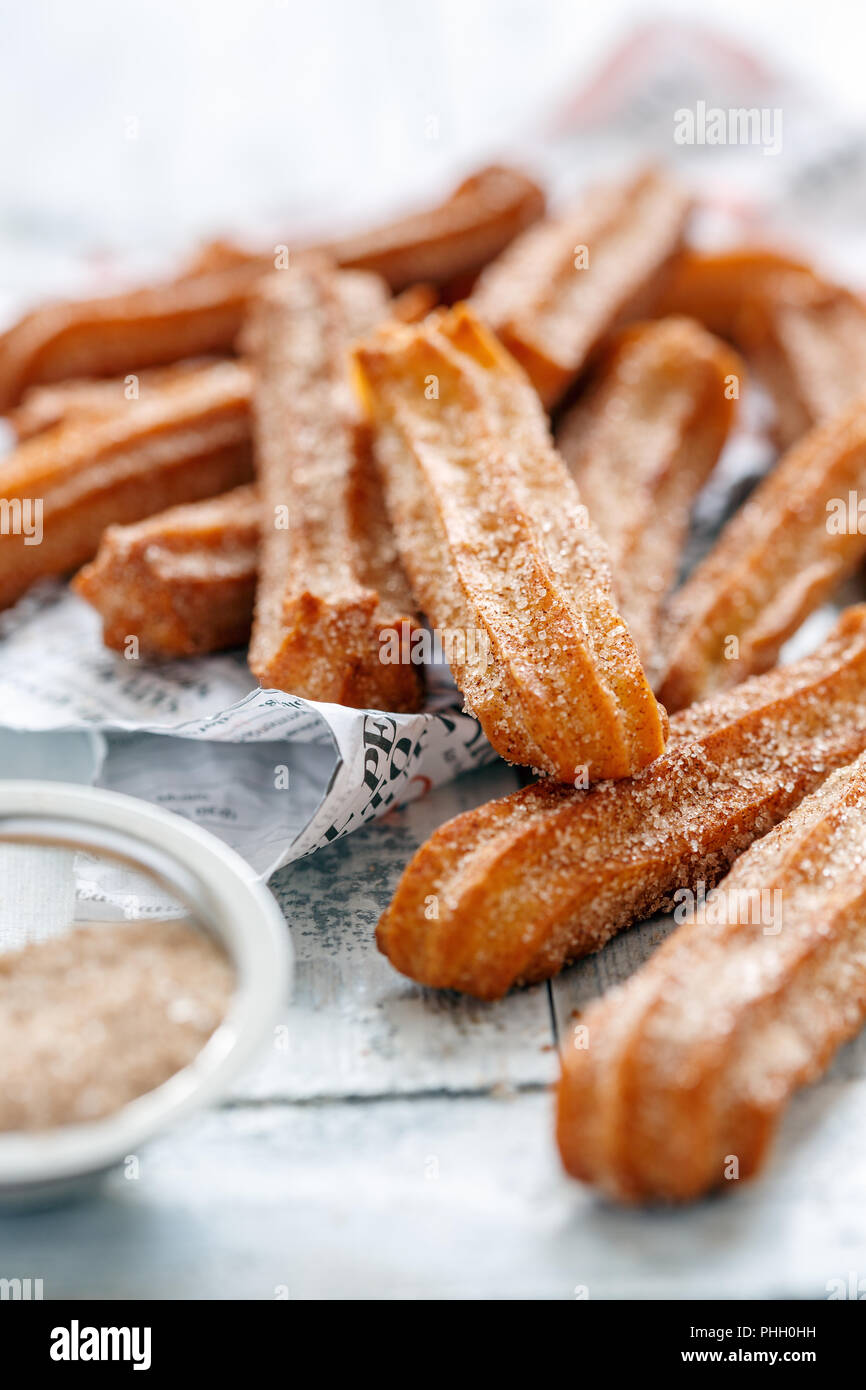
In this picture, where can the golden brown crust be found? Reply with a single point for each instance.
(777, 559)
(456, 238)
(182, 582)
(640, 445)
(124, 332)
(551, 310)
(683, 1073)
(178, 446)
(513, 891)
(45, 406)
(717, 287)
(805, 335)
(330, 584)
(202, 310)
(450, 241)
(807, 339)
(500, 554)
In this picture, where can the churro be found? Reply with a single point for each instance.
(59, 490)
(805, 335)
(807, 339)
(456, 239)
(511, 892)
(683, 1073)
(124, 332)
(450, 241)
(181, 583)
(499, 550)
(640, 445)
(777, 559)
(564, 284)
(330, 584)
(44, 406)
(717, 287)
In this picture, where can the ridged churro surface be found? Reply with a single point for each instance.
(640, 445)
(682, 1074)
(330, 584)
(44, 406)
(500, 552)
(555, 293)
(124, 332)
(452, 240)
(805, 335)
(780, 556)
(511, 892)
(179, 445)
(182, 582)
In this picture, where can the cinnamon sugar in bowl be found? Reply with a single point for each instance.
(141, 967)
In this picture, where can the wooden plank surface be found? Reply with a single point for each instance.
(445, 1198)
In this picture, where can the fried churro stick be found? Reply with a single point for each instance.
(124, 332)
(501, 554)
(61, 489)
(564, 284)
(805, 335)
(692, 1062)
(640, 445)
(451, 241)
(807, 339)
(511, 892)
(413, 304)
(45, 406)
(777, 559)
(182, 582)
(330, 584)
(717, 287)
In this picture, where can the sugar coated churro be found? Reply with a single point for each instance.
(777, 559)
(447, 242)
(511, 892)
(555, 293)
(44, 406)
(805, 335)
(183, 582)
(499, 548)
(124, 332)
(683, 1072)
(59, 490)
(330, 584)
(640, 445)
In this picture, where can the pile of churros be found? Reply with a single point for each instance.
(491, 422)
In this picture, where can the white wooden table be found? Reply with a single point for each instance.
(396, 1143)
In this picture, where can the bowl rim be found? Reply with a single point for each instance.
(243, 915)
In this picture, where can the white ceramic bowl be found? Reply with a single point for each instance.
(227, 899)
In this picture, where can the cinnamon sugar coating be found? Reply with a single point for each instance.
(805, 335)
(182, 582)
(780, 556)
(563, 285)
(177, 445)
(498, 547)
(511, 892)
(122, 333)
(690, 1064)
(330, 583)
(450, 241)
(44, 406)
(640, 445)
